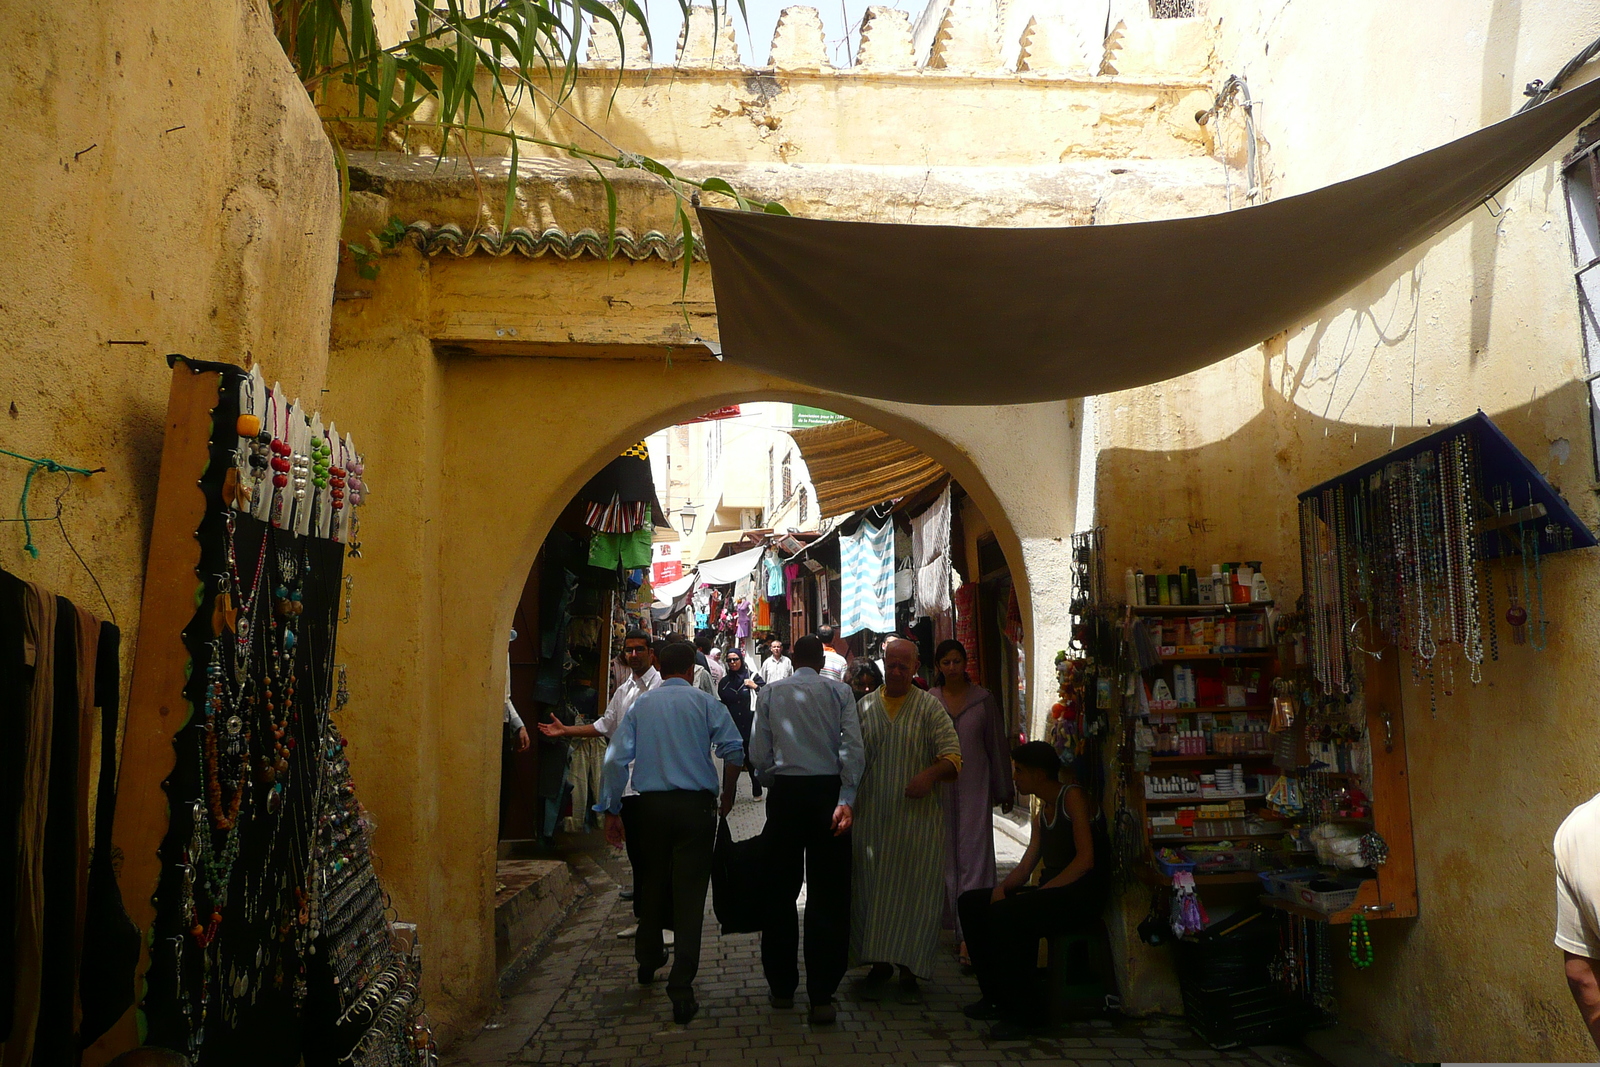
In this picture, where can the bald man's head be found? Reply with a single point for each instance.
(899, 665)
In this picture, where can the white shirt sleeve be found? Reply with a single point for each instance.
(1578, 882)
(512, 719)
(606, 725)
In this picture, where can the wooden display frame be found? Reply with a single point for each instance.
(157, 708)
(1393, 894)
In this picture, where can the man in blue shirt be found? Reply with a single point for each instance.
(667, 740)
(806, 745)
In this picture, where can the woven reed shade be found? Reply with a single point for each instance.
(854, 466)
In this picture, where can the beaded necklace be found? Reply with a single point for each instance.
(1361, 955)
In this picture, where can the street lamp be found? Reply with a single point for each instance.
(686, 516)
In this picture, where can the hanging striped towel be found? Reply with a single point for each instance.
(866, 584)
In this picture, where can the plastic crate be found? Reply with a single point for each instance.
(1325, 900)
(1169, 869)
(1255, 1015)
(1228, 994)
(1286, 885)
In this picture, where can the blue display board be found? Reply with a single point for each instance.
(1526, 498)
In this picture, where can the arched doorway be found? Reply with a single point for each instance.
(728, 528)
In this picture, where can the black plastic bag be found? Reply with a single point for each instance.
(738, 882)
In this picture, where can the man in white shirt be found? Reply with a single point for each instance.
(640, 657)
(1577, 852)
(776, 666)
(833, 664)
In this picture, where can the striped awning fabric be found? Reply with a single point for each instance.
(855, 466)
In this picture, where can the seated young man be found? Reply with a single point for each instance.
(1004, 924)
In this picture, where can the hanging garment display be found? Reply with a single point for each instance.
(966, 599)
(773, 566)
(68, 952)
(622, 496)
(271, 943)
(930, 551)
(866, 565)
(626, 550)
(905, 567)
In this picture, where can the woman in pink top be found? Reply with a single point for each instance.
(984, 782)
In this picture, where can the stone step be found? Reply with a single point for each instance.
(532, 897)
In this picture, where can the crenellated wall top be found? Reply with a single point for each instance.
(1147, 39)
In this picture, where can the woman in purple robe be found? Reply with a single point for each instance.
(984, 782)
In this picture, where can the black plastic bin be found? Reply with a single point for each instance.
(1228, 994)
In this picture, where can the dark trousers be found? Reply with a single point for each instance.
(799, 844)
(630, 823)
(1003, 938)
(670, 845)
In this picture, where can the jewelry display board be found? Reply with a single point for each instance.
(1395, 553)
(271, 940)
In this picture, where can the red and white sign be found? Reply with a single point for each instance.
(666, 562)
(712, 416)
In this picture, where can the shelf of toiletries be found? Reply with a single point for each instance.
(1220, 788)
(1209, 636)
(1228, 583)
(1210, 758)
(1201, 609)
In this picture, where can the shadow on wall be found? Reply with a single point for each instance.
(1493, 772)
(1235, 498)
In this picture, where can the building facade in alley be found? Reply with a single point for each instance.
(490, 371)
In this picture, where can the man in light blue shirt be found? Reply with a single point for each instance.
(806, 746)
(666, 740)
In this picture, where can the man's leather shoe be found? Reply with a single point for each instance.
(822, 1014)
(647, 972)
(780, 1002)
(684, 1010)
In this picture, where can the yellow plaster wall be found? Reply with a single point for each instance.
(742, 116)
(1205, 468)
(169, 184)
(471, 458)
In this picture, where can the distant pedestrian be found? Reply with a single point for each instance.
(807, 747)
(897, 881)
(664, 748)
(862, 676)
(713, 657)
(833, 664)
(738, 693)
(1577, 851)
(777, 665)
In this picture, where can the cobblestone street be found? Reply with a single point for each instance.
(579, 1004)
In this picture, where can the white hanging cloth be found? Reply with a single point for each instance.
(930, 554)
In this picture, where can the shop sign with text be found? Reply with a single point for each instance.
(666, 562)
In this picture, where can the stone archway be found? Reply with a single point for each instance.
(481, 455)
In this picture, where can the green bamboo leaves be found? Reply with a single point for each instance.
(434, 78)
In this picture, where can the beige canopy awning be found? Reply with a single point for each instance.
(966, 315)
(854, 466)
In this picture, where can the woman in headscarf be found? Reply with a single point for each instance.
(862, 676)
(738, 692)
(985, 780)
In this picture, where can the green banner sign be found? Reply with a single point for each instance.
(808, 416)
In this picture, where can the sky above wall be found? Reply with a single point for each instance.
(754, 31)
